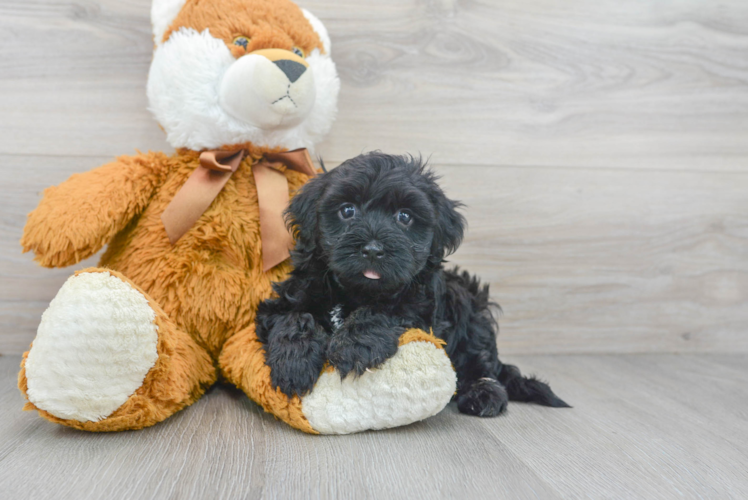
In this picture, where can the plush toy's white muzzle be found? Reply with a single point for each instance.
(268, 89)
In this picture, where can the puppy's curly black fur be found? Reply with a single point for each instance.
(371, 237)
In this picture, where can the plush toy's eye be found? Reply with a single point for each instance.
(347, 211)
(404, 217)
(298, 52)
(241, 41)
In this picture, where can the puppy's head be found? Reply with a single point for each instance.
(375, 222)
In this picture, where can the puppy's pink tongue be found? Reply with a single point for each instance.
(371, 274)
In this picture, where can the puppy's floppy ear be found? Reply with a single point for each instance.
(449, 226)
(301, 218)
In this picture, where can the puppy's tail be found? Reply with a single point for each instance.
(528, 389)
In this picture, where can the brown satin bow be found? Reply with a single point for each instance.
(202, 187)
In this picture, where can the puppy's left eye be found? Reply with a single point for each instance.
(347, 211)
(404, 217)
(298, 52)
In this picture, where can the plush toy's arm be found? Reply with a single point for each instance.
(77, 218)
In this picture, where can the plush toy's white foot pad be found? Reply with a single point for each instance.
(94, 346)
(415, 384)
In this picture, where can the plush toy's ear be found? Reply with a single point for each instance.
(449, 225)
(319, 28)
(163, 13)
(301, 218)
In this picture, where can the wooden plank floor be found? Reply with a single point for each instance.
(642, 426)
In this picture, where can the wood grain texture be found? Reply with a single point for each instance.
(581, 83)
(521, 104)
(518, 82)
(581, 260)
(596, 260)
(643, 426)
(600, 148)
(25, 287)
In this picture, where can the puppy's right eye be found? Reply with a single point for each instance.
(347, 211)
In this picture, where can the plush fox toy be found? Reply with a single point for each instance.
(196, 238)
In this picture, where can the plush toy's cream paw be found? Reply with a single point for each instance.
(416, 383)
(107, 358)
(95, 345)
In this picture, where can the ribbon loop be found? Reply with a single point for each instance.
(207, 181)
(298, 159)
(222, 161)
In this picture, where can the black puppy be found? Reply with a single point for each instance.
(371, 237)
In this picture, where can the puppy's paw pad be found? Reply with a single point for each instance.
(485, 397)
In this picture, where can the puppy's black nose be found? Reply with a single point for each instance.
(373, 250)
(292, 69)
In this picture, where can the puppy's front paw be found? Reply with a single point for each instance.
(355, 357)
(295, 353)
(366, 340)
(294, 377)
(484, 397)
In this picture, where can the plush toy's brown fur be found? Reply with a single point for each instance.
(267, 24)
(205, 289)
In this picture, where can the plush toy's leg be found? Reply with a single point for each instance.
(416, 383)
(107, 358)
(242, 363)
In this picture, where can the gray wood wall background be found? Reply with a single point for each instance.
(601, 147)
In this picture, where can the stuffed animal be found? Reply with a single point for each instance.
(244, 89)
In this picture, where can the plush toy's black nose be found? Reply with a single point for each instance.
(292, 69)
(373, 250)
